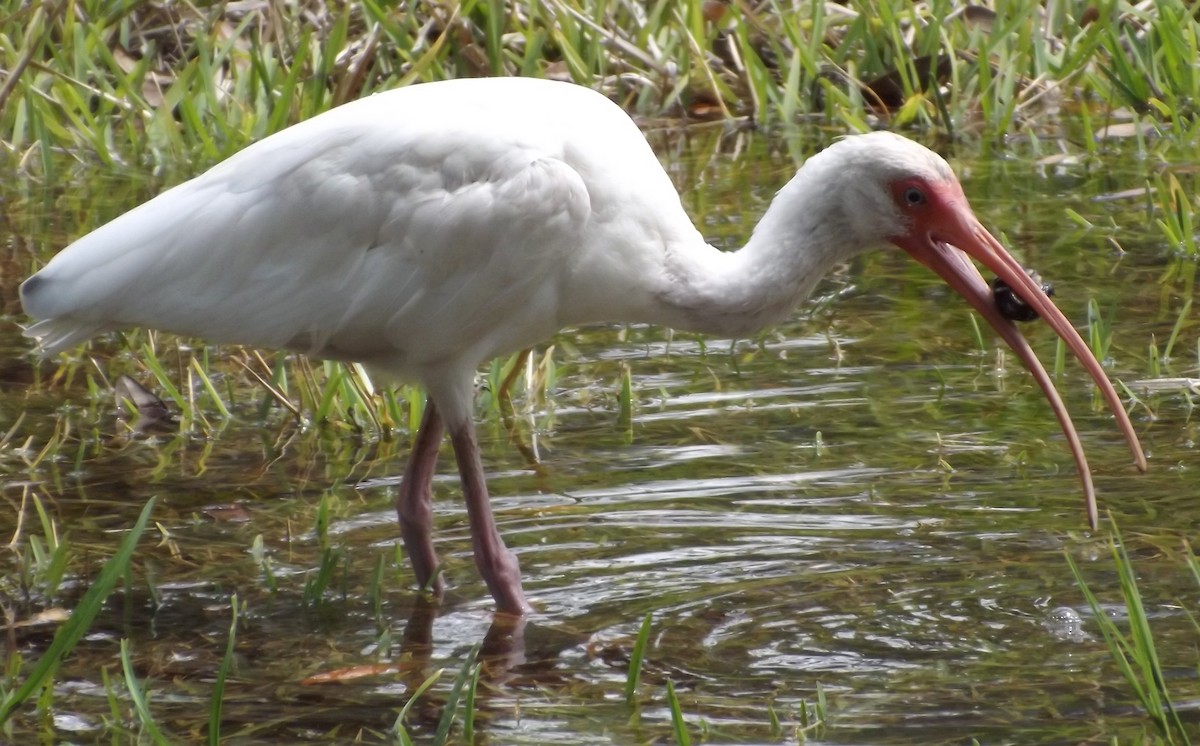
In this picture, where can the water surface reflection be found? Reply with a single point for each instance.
(863, 500)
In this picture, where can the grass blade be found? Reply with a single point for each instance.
(81, 618)
(138, 697)
(678, 725)
(1136, 657)
(218, 694)
(452, 699)
(398, 727)
(636, 658)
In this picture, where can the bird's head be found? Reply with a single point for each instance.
(917, 204)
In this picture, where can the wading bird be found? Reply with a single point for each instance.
(426, 230)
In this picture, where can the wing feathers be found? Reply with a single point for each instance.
(307, 240)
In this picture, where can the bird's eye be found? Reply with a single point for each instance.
(914, 196)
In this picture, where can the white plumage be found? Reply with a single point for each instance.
(426, 230)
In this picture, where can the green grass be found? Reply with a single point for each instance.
(398, 729)
(41, 676)
(97, 85)
(678, 724)
(106, 86)
(105, 83)
(1134, 650)
(637, 657)
(138, 696)
(462, 694)
(218, 692)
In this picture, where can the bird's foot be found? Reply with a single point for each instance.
(502, 575)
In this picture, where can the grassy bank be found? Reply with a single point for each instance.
(157, 83)
(169, 88)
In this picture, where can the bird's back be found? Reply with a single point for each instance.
(433, 222)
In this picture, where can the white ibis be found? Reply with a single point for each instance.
(426, 230)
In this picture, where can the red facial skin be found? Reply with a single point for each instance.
(944, 236)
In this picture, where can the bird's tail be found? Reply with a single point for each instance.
(55, 335)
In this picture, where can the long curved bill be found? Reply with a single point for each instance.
(944, 246)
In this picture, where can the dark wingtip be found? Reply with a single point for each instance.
(29, 292)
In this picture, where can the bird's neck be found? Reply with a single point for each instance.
(804, 234)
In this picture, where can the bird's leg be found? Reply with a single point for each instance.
(497, 565)
(414, 502)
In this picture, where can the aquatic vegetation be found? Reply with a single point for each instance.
(678, 724)
(21, 685)
(811, 511)
(162, 83)
(1135, 653)
(218, 690)
(636, 657)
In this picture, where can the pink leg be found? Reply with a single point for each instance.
(414, 503)
(497, 565)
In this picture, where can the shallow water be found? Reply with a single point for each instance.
(862, 500)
